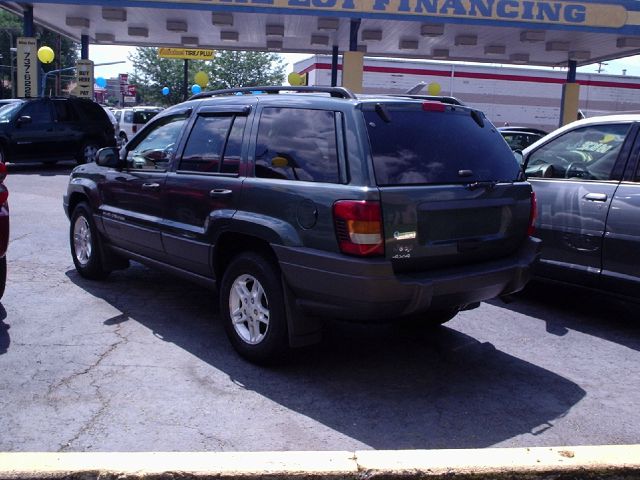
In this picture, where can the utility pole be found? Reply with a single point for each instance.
(601, 66)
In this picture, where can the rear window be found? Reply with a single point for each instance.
(142, 117)
(411, 146)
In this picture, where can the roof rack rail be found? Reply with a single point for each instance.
(339, 92)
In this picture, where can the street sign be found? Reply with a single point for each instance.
(84, 76)
(124, 81)
(27, 58)
(186, 53)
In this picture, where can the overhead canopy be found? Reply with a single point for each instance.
(533, 32)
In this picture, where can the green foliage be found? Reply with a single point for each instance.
(227, 69)
(11, 27)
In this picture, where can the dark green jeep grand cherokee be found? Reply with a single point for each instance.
(300, 206)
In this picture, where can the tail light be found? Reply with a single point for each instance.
(430, 106)
(4, 193)
(533, 214)
(359, 227)
(134, 128)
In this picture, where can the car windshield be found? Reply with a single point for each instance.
(143, 116)
(412, 146)
(7, 111)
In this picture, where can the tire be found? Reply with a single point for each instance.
(429, 319)
(84, 240)
(3, 275)
(252, 308)
(87, 153)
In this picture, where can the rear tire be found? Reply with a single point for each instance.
(252, 308)
(84, 239)
(429, 319)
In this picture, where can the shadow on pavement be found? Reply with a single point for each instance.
(42, 169)
(386, 387)
(565, 307)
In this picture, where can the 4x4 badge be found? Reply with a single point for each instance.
(404, 236)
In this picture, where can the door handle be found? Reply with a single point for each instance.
(150, 186)
(220, 192)
(596, 197)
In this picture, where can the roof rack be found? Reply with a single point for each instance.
(339, 92)
(436, 98)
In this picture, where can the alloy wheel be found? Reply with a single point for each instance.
(249, 309)
(82, 240)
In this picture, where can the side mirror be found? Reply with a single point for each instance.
(24, 120)
(109, 157)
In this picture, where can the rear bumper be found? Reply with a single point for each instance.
(349, 288)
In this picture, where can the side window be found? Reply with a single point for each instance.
(156, 149)
(39, 111)
(64, 111)
(128, 116)
(118, 114)
(203, 151)
(587, 153)
(297, 144)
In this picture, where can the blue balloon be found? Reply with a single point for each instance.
(165, 90)
(101, 82)
(195, 89)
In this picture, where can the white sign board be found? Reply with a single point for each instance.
(84, 75)
(27, 58)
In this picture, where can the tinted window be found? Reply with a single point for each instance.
(7, 111)
(587, 153)
(297, 144)
(64, 112)
(417, 147)
(204, 147)
(128, 116)
(118, 114)
(38, 111)
(155, 150)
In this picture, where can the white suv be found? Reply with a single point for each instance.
(133, 119)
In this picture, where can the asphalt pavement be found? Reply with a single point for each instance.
(140, 362)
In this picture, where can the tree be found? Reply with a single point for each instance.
(227, 69)
(11, 26)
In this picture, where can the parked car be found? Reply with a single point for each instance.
(298, 207)
(586, 177)
(519, 138)
(131, 120)
(50, 129)
(4, 227)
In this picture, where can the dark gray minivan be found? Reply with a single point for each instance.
(302, 206)
(586, 176)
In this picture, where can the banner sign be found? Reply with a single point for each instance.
(186, 53)
(590, 14)
(27, 58)
(84, 76)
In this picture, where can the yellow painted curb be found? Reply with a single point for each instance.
(618, 461)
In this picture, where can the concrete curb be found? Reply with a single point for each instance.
(587, 462)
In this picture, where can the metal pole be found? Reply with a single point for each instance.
(84, 47)
(571, 72)
(353, 34)
(334, 66)
(27, 22)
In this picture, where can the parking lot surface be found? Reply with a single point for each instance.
(139, 362)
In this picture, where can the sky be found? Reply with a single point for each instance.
(115, 53)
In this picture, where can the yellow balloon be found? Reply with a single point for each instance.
(294, 79)
(45, 54)
(201, 79)
(433, 89)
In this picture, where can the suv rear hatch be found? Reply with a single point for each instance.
(451, 190)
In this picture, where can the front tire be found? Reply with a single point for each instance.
(84, 239)
(252, 308)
